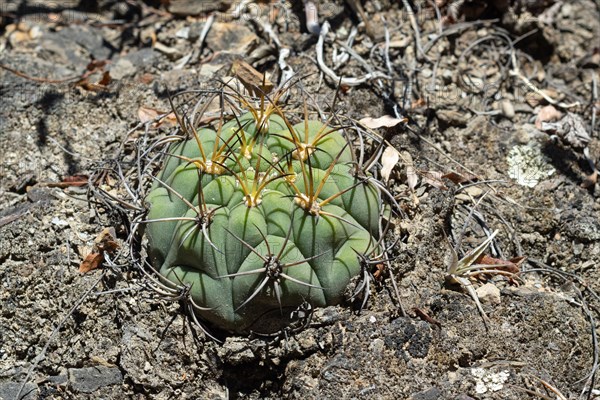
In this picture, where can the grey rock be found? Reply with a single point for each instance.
(9, 391)
(129, 64)
(58, 379)
(36, 194)
(231, 37)
(582, 228)
(236, 351)
(74, 45)
(197, 7)
(62, 51)
(453, 118)
(429, 394)
(88, 380)
(122, 68)
(141, 57)
(87, 37)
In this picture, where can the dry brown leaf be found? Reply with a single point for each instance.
(146, 78)
(96, 65)
(389, 159)
(590, 180)
(386, 121)
(89, 80)
(91, 87)
(425, 316)
(106, 79)
(171, 120)
(547, 114)
(255, 82)
(104, 243)
(412, 179)
(509, 269)
(69, 181)
(434, 178)
(418, 104)
(513, 265)
(457, 178)
(91, 262)
(148, 114)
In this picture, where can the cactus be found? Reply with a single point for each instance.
(257, 217)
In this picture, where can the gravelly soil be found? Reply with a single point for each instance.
(102, 334)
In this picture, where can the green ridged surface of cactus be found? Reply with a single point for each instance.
(257, 217)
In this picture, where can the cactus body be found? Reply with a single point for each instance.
(258, 217)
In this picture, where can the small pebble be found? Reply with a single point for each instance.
(488, 294)
(183, 33)
(474, 191)
(447, 76)
(59, 222)
(507, 108)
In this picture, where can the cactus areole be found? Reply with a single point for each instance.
(257, 218)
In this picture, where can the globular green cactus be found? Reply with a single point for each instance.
(257, 216)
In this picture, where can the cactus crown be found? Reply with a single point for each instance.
(258, 216)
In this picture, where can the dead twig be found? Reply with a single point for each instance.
(42, 80)
(358, 9)
(454, 29)
(417, 33)
(353, 81)
(516, 72)
(548, 386)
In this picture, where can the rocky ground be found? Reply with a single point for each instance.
(502, 100)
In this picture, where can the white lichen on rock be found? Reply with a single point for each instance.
(527, 165)
(489, 381)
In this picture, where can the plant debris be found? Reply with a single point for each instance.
(105, 243)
